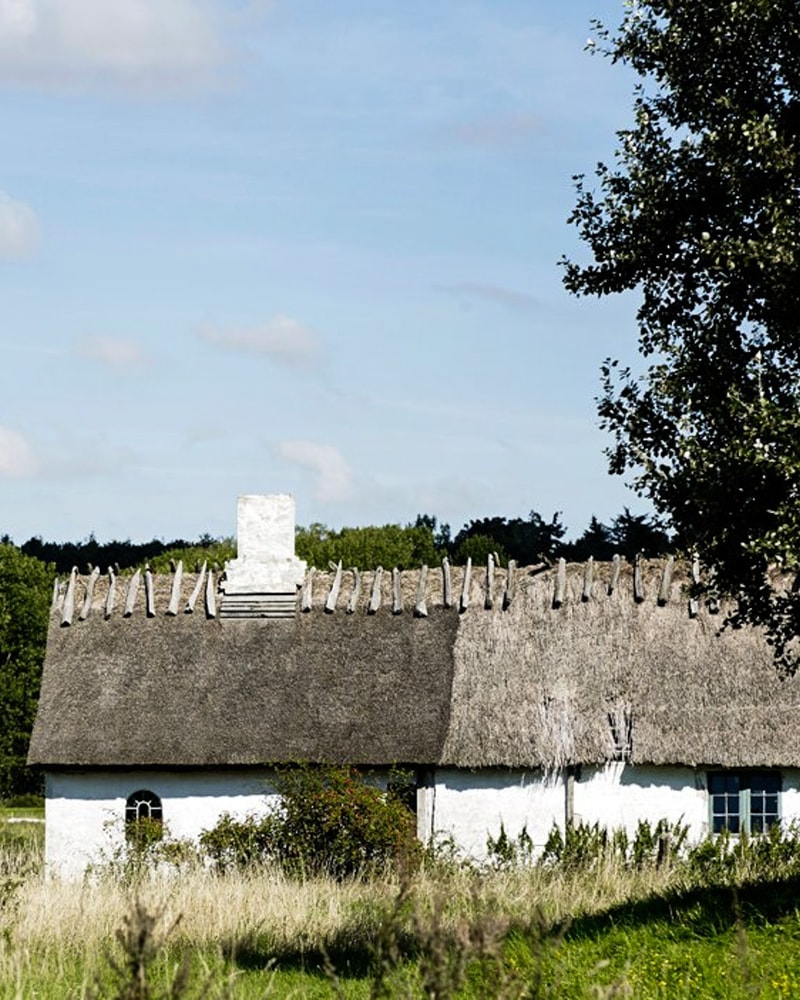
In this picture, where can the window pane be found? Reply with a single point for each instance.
(725, 800)
(764, 788)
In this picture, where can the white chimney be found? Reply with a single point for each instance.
(263, 579)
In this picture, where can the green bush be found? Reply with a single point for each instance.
(584, 846)
(509, 852)
(329, 820)
(27, 800)
(723, 859)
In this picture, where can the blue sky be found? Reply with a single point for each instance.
(304, 247)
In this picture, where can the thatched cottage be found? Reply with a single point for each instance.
(522, 696)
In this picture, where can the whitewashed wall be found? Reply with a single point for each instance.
(85, 812)
(619, 795)
(790, 799)
(470, 806)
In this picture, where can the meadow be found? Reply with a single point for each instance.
(594, 925)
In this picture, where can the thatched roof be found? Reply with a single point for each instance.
(557, 671)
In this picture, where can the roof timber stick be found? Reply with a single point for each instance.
(612, 583)
(111, 596)
(148, 593)
(488, 602)
(561, 583)
(69, 599)
(355, 596)
(463, 603)
(508, 595)
(54, 603)
(133, 590)
(89, 595)
(195, 594)
(333, 593)
(666, 582)
(175, 595)
(638, 592)
(211, 596)
(694, 604)
(307, 597)
(588, 576)
(397, 593)
(447, 584)
(421, 604)
(375, 596)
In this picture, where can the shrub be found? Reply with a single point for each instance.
(585, 846)
(509, 852)
(329, 820)
(723, 859)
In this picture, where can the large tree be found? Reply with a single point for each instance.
(699, 215)
(25, 593)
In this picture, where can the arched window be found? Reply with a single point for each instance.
(143, 816)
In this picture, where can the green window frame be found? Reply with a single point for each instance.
(744, 801)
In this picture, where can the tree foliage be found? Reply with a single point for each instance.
(700, 216)
(330, 820)
(388, 545)
(25, 594)
(527, 540)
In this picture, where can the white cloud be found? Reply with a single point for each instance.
(497, 131)
(132, 43)
(16, 455)
(19, 228)
(508, 297)
(115, 352)
(334, 478)
(282, 339)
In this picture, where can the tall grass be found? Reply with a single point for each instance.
(520, 931)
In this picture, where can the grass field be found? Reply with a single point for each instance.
(600, 930)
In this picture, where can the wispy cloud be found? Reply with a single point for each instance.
(496, 131)
(19, 228)
(17, 459)
(117, 353)
(334, 478)
(130, 43)
(509, 298)
(282, 340)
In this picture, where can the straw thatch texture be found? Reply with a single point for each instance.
(189, 691)
(600, 677)
(539, 686)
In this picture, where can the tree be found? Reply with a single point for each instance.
(525, 539)
(596, 541)
(389, 545)
(700, 216)
(25, 593)
(639, 534)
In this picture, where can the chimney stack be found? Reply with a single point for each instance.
(262, 581)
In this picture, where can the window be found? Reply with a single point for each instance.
(143, 816)
(744, 801)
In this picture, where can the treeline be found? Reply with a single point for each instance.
(527, 540)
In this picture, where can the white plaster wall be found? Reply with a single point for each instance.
(619, 795)
(790, 797)
(470, 806)
(85, 811)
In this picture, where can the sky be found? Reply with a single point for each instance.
(252, 246)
